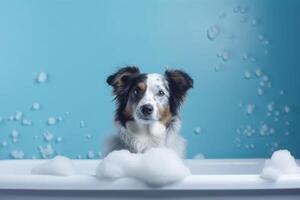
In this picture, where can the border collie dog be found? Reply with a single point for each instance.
(147, 109)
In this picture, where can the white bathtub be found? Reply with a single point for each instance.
(211, 179)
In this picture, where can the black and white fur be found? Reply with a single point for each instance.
(147, 109)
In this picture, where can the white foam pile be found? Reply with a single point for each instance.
(58, 166)
(156, 167)
(281, 162)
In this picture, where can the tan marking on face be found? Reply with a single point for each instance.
(141, 86)
(165, 115)
(128, 111)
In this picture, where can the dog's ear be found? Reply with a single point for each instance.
(179, 83)
(121, 78)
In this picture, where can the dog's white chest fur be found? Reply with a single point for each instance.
(147, 135)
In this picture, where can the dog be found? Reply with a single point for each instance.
(147, 109)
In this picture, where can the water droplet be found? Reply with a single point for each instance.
(260, 37)
(260, 91)
(42, 77)
(17, 154)
(258, 72)
(270, 106)
(262, 84)
(198, 130)
(18, 115)
(51, 121)
(60, 119)
(213, 32)
(281, 92)
(225, 55)
(35, 106)
(26, 122)
(247, 75)
(90, 155)
(266, 42)
(245, 56)
(82, 124)
(287, 123)
(88, 136)
(272, 131)
(218, 67)
(4, 144)
(250, 109)
(265, 78)
(14, 134)
(286, 109)
(59, 139)
(48, 136)
(47, 151)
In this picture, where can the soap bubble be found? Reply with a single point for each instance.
(245, 56)
(287, 123)
(59, 139)
(266, 42)
(198, 130)
(281, 92)
(14, 134)
(218, 67)
(4, 144)
(47, 151)
(265, 78)
(48, 136)
(260, 91)
(18, 115)
(88, 136)
(82, 124)
(51, 121)
(258, 72)
(213, 32)
(225, 55)
(260, 37)
(250, 109)
(42, 77)
(90, 155)
(277, 113)
(35, 106)
(17, 154)
(79, 156)
(270, 106)
(247, 75)
(286, 109)
(26, 122)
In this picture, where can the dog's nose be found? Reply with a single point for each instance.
(147, 109)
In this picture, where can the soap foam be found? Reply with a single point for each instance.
(281, 162)
(156, 167)
(58, 166)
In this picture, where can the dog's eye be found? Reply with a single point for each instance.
(161, 93)
(136, 91)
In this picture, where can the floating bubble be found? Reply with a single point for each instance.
(47, 151)
(260, 91)
(252, 146)
(42, 77)
(286, 109)
(255, 22)
(277, 113)
(250, 109)
(287, 123)
(258, 72)
(82, 124)
(51, 121)
(35, 106)
(1, 120)
(225, 55)
(270, 106)
(17, 154)
(269, 114)
(269, 84)
(90, 155)
(272, 131)
(286, 133)
(281, 92)
(245, 56)
(247, 75)
(262, 84)
(4, 144)
(14, 134)
(11, 118)
(26, 122)
(266, 42)
(79, 156)
(48, 136)
(260, 37)
(218, 67)
(88, 136)
(265, 78)
(213, 32)
(198, 130)
(60, 118)
(266, 52)
(18, 115)
(276, 119)
(59, 139)
(252, 59)
(237, 9)
(264, 129)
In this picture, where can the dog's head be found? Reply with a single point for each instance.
(147, 98)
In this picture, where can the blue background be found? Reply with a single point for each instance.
(79, 43)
